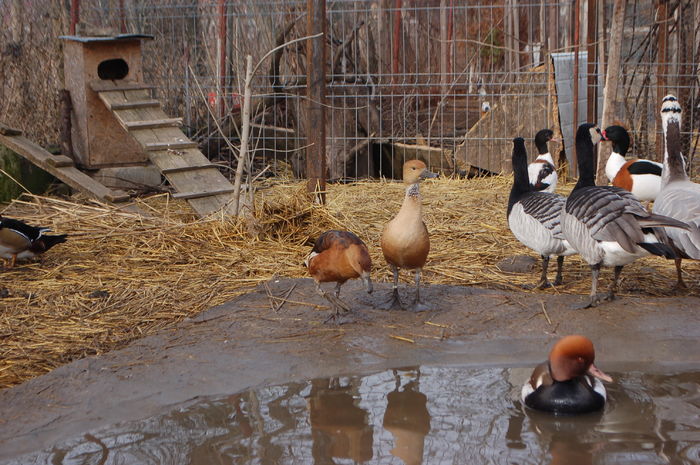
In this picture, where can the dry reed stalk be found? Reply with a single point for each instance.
(161, 267)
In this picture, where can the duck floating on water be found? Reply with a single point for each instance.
(542, 172)
(640, 177)
(405, 240)
(568, 382)
(534, 217)
(20, 241)
(679, 197)
(338, 256)
(607, 225)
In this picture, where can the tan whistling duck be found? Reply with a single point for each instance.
(405, 240)
(20, 241)
(336, 257)
(568, 382)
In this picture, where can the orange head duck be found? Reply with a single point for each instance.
(405, 240)
(19, 241)
(568, 383)
(336, 257)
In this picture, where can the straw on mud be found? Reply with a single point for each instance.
(123, 275)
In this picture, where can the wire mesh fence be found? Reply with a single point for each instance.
(450, 82)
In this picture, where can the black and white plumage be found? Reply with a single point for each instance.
(607, 225)
(534, 217)
(639, 176)
(542, 172)
(679, 197)
(19, 241)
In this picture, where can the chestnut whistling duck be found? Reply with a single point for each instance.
(405, 240)
(336, 257)
(640, 177)
(568, 382)
(20, 241)
(542, 172)
(607, 225)
(679, 197)
(534, 216)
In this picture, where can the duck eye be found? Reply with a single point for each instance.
(413, 168)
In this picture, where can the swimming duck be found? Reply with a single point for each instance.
(534, 217)
(336, 257)
(568, 382)
(542, 172)
(607, 225)
(405, 240)
(640, 177)
(19, 241)
(679, 197)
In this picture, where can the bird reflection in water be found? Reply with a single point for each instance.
(339, 428)
(407, 418)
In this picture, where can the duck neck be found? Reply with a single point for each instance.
(674, 165)
(411, 202)
(614, 164)
(586, 163)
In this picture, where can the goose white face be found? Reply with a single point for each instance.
(595, 134)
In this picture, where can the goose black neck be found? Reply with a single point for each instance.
(621, 146)
(541, 139)
(521, 181)
(585, 154)
(676, 166)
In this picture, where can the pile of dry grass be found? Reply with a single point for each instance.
(124, 275)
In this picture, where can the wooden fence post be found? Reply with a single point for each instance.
(316, 100)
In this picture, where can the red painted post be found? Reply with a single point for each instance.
(397, 41)
(74, 15)
(316, 100)
(122, 17)
(222, 58)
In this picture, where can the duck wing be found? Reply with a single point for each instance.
(546, 209)
(682, 202)
(338, 238)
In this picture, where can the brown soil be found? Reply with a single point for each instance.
(247, 343)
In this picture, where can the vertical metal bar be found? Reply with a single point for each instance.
(222, 58)
(316, 99)
(592, 95)
(553, 29)
(661, 71)
(577, 33)
(74, 15)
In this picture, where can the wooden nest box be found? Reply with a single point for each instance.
(91, 65)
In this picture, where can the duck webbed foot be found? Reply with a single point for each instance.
(394, 302)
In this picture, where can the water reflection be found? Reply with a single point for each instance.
(427, 415)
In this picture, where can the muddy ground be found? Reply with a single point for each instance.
(251, 341)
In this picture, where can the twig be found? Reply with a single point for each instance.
(544, 311)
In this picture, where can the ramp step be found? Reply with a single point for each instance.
(197, 195)
(184, 169)
(153, 124)
(133, 105)
(176, 145)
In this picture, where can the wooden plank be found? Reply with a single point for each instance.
(104, 86)
(68, 174)
(152, 124)
(196, 195)
(183, 169)
(8, 131)
(134, 104)
(174, 145)
(60, 161)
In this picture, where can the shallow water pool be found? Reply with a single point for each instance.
(418, 415)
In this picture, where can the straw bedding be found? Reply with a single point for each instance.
(123, 275)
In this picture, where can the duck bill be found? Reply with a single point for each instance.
(368, 282)
(428, 174)
(595, 371)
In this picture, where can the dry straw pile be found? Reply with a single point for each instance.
(123, 275)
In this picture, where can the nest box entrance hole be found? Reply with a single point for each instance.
(115, 68)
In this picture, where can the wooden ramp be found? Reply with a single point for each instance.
(192, 175)
(59, 166)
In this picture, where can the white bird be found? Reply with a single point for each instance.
(607, 225)
(542, 172)
(640, 177)
(534, 217)
(679, 197)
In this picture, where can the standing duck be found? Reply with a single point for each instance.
(640, 177)
(568, 382)
(534, 217)
(607, 225)
(542, 172)
(405, 240)
(679, 197)
(19, 241)
(336, 257)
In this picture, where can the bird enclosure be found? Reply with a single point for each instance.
(449, 82)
